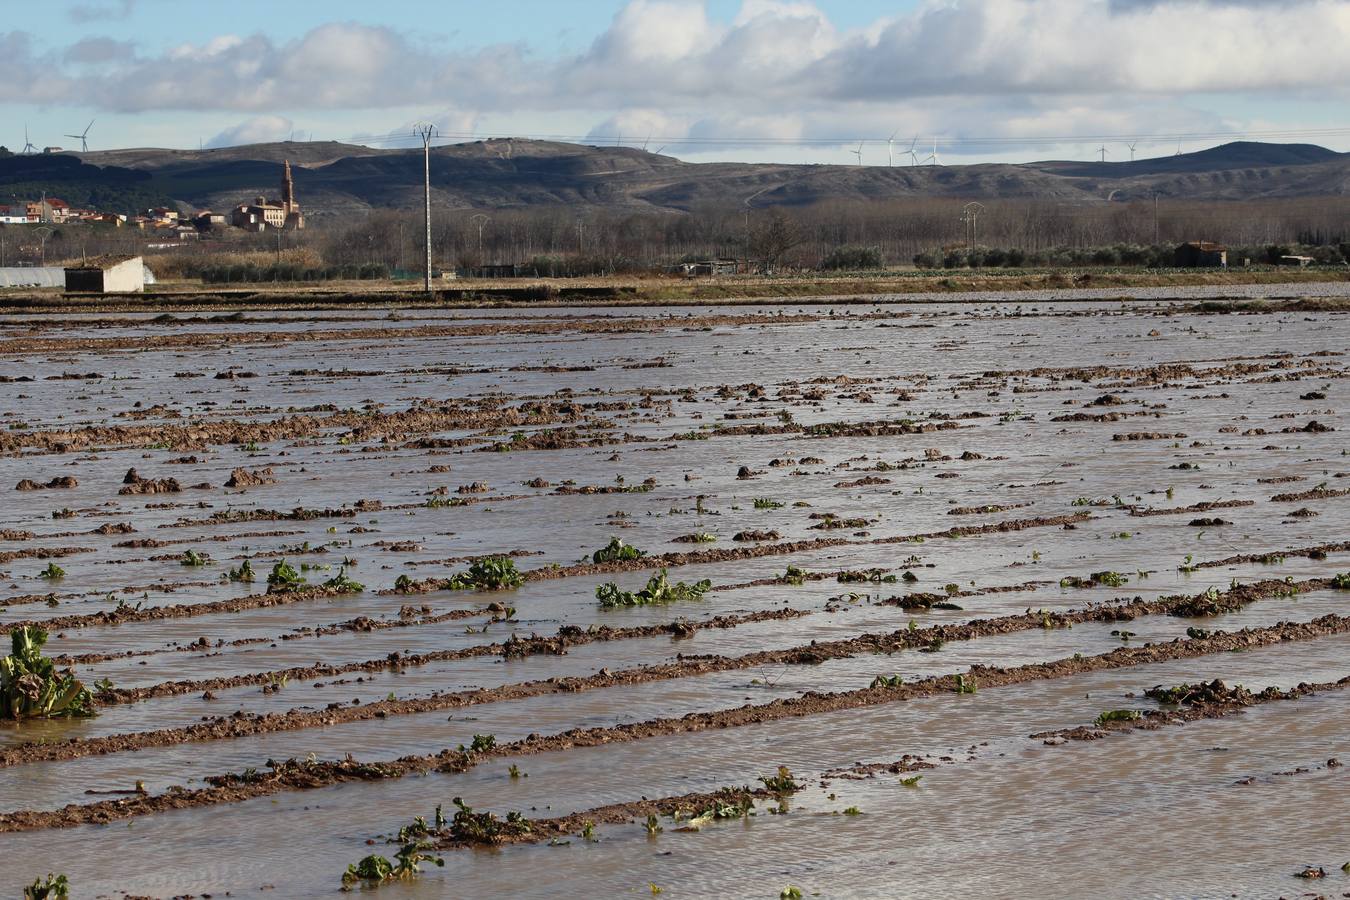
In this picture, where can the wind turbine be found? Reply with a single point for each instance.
(890, 149)
(1102, 151)
(1178, 153)
(933, 160)
(84, 137)
(27, 144)
(858, 152)
(913, 157)
(1132, 146)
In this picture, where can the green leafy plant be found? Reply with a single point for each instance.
(485, 828)
(1341, 582)
(781, 782)
(912, 781)
(194, 559)
(658, 590)
(52, 572)
(1118, 715)
(341, 583)
(793, 575)
(481, 743)
(494, 573)
(889, 681)
(243, 573)
(30, 686)
(56, 887)
(284, 578)
(653, 826)
(377, 869)
(966, 684)
(616, 551)
(767, 503)
(791, 892)
(403, 584)
(872, 576)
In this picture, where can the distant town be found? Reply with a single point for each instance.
(256, 215)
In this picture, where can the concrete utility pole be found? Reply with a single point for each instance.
(427, 132)
(480, 220)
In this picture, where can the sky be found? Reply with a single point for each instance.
(831, 81)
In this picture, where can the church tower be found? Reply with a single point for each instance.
(288, 190)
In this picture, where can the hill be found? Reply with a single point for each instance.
(333, 178)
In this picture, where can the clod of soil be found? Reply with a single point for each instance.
(244, 478)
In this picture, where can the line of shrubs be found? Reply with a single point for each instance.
(226, 274)
(1113, 255)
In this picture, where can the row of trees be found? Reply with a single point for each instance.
(837, 235)
(556, 241)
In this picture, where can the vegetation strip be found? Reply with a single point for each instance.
(512, 648)
(305, 775)
(128, 613)
(1217, 701)
(242, 725)
(1210, 700)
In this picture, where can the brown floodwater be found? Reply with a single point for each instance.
(654, 425)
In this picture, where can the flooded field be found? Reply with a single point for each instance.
(869, 600)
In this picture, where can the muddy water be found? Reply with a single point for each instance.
(666, 395)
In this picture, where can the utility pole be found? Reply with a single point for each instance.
(480, 220)
(427, 132)
(1155, 219)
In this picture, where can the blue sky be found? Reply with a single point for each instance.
(763, 80)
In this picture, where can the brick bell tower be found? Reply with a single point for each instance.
(288, 190)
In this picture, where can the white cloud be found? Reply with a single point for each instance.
(775, 67)
(257, 130)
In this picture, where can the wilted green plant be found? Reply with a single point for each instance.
(377, 869)
(1118, 715)
(514, 771)
(873, 576)
(485, 828)
(912, 781)
(853, 811)
(56, 887)
(284, 578)
(966, 685)
(653, 826)
(243, 573)
(403, 584)
(767, 503)
(616, 551)
(793, 575)
(494, 573)
(53, 572)
(1341, 582)
(30, 686)
(481, 743)
(791, 892)
(781, 782)
(193, 558)
(888, 681)
(658, 590)
(588, 832)
(340, 582)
